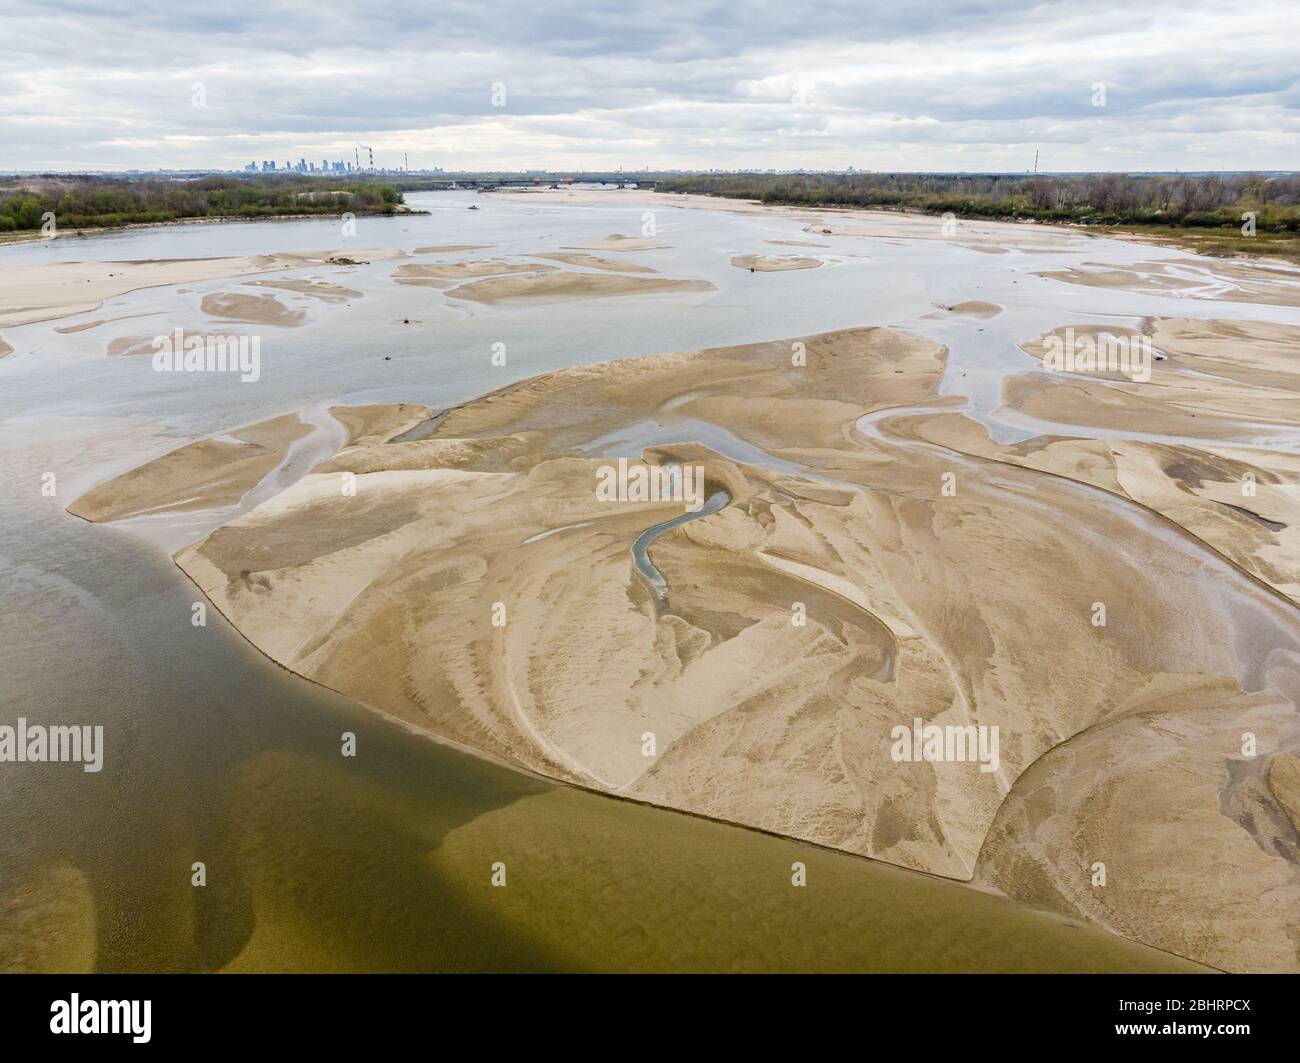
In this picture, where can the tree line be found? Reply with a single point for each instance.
(86, 202)
(1210, 200)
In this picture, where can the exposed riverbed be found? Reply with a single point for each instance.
(382, 861)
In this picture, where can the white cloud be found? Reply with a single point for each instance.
(1189, 85)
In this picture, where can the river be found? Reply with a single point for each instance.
(383, 861)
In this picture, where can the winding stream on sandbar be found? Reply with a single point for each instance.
(641, 547)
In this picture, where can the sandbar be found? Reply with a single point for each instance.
(774, 263)
(570, 286)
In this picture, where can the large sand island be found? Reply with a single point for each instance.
(867, 558)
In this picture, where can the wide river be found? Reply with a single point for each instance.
(384, 861)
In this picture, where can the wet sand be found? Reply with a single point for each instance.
(1251, 283)
(774, 263)
(446, 249)
(570, 286)
(322, 290)
(619, 242)
(975, 308)
(121, 346)
(86, 326)
(252, 309)
(577, 258)
(420, 273)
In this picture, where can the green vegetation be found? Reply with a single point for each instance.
(1220, 243)
(86, 202)
(1203, 212)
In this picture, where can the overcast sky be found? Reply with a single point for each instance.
(904, 85)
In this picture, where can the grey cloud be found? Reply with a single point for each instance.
(107, 83)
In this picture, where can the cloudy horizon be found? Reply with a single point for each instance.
(978, 86)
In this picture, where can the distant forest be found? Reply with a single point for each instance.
(1210, 201)
(85, 202)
